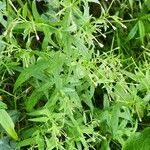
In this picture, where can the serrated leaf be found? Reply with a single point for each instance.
(31, 71)
(7, 124)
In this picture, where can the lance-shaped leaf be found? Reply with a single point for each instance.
(7, 123)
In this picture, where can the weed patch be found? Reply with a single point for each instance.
(74, 74)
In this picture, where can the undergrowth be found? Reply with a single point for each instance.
(74, 74)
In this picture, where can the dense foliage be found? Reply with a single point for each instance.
(74, 74)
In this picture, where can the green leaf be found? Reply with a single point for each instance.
(66, 19)
(141, 30)
(145, 17)
(130, 75)
(34, 11)
(25, 11)
(132, 32)
(3, 105)
(26, 142)
(131, 3)
(7, 124)
(39, 119)
(105, 145)
(2, 20)
(36, 95)
(139, 110)
(47, 34)
(147, 2)
(106, 102)
(80, 71)
(138, 141)
(41, 112)
(33, 70)
(53, 99)
(115, 120)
